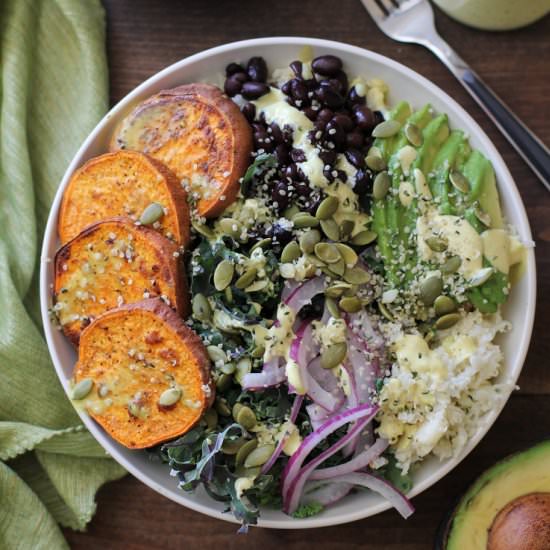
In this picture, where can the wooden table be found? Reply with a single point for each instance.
(144, 37)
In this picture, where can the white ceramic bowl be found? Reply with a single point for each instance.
(403, 84)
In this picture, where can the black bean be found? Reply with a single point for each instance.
(335, 133)
(378, 117)
(300, 176)
(319, 124)
(291, 171)
(364, 117)
(311, 84)
(298, 90)
(279, 194)
(281, 151)
(233, 68)
(328, 173)
(233, 85)
(327, 65)
(355, 157)
(340, 82)
(363, 182)
(354, 140)
(262, 139)
(344, 121)
(303, 189)
(325, 114)
(249, 111)
(276, 133)
(285, 88)
(257, 69)
(342, 176)
(354, 98)
(279, 234)
(329, 96)
(288, 134)
(297, 67)
(313, 204)
(297, 155)
(310, 113)
(254, 90)
(328, 157)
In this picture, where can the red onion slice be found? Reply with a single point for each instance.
(291, 286)
(363, 459)
(379, 485)
(271, 375)
(303, 295)
(325, 493)
(298, 400)
(331, 401)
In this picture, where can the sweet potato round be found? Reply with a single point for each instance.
(199, 134)
(133, 354)
(111, 263)
(123, 184)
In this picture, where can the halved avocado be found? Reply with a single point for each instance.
(512, 497)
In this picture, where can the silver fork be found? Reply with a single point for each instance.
(413, 21)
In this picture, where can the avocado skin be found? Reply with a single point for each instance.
(447, 531)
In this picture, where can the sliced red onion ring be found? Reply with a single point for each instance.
(325, 493)
(291, 286)
(363, 459)
(271, 375)
(317, 415)
(298, 400)
(303, 295)
(291, 488)
(325, 377)
(291, 498)
(329, 400)
(398, 500)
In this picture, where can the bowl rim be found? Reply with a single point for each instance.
(487, 146)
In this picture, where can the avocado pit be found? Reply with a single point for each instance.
(523, 524)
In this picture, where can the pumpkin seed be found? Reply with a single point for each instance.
(313, 260)
(308, 240)
(413, 134)
(228, 294)
(356, 276)
(351, 291)
(303, 220)
(228, 368)
(330, 229)
(203, 230)
(258, 352)
(244, 366)
(251, 473)
(447, 321)
(451, 265)
(375, 162)
(264, 243)
(346, 228)
(223, 274)
(459, 181)
(290, 252)
(223, 382)
(134, 409)
(246, 278)
(235, 410)
(338, 268)
(232, 446)
(381, 185)
(201, 308)
(151, 214)
(290, 212)
(364, 238)
(430, 289)
(437, 244)
(327, 208)
(257, 286)
(244, 451)
(337, 289)
(211, 418)
(386, 129)
(332, 307)
(481, 276)
(222, 407)
(259, 456)
(350, 304)
(327, 253)
(246, 418)
(216, 354)
(444, 305)
(230, 227)
(482, 216)
(82, 389)
(384, 310)
(169, 397)
(334, 355)
(349, 255)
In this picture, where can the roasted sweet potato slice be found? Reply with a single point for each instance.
(124, 183)
(150, 373)
(112, 263)
(199, 134)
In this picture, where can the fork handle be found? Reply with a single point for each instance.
(525, 142)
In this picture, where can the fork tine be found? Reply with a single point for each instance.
(388, 6)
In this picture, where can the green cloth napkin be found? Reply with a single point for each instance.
(53, 90)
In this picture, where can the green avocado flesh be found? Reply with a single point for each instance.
(442, 151)
(520, 474)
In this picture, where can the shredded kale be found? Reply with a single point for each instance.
(261, 164)
(308, 510)
(395, 476)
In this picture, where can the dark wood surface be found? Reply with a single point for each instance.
(143, 37)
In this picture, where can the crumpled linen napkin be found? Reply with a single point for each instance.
(53, 90)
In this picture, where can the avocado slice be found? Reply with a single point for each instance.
(521, 474)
